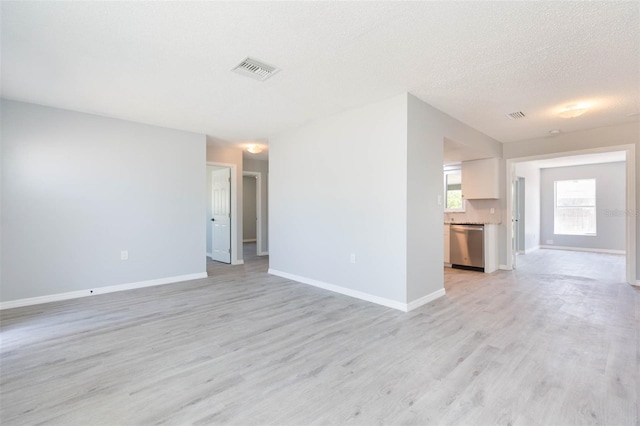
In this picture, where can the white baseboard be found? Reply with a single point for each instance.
(98, 290)
(263, 253)
(425, 299)
(210, 255)
(504, 268)
(590, 250)
(532, 249)
(237, 262)
(249, 240)
(405, 307)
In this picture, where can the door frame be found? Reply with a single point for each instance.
(630, 188)
(258, 176)
(520, 209)
(234, 211)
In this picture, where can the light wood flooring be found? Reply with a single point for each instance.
(551, 343)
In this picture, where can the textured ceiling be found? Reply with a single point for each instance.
(168, 63)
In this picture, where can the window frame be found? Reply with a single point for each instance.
(462, 209)
(574, 206)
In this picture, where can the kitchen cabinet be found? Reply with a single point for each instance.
(481, 179)
(447, 250)
(491, 260)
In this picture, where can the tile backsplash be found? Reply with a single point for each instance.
(477, 211)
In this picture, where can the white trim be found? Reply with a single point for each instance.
(210, 255)
(238, 262)
(531, 250)
(504, 268)
(235, 211)
(405, 307)
(425, 299)
(99, 290)
(590, 250)
(263, 253)
(631, 243)
(250, 240)
(637, 283)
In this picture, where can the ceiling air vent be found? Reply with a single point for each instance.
(516, 115)
(255, 69)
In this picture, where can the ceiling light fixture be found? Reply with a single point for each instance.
(573, 111)
(554, 132)
(254, 149)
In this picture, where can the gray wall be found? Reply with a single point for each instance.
(366, 182)
(427, 129)
(78, 188)
(610, 197)
(249, 212)
(338, 186)
(262, 167)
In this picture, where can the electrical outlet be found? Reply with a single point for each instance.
(124, 255)
(492, 210)
(352, 258)
(439, 200)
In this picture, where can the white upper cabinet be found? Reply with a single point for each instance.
(480, 179)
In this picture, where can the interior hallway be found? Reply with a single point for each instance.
(523, 347)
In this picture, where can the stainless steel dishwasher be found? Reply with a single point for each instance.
(467, 246)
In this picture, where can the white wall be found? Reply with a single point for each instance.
(249, 212)
(610, 198)
(588, 140)
(338, 186)
(531, 175)
(78, 188)
(262, 167)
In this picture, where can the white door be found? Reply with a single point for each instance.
(221, 215)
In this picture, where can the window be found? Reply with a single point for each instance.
(575, 207)
(453, 192)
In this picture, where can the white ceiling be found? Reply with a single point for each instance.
(168, 63)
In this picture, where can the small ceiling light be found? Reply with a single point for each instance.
(254, 149)
(573, 111)
(554, 132)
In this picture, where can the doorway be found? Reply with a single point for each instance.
(252, 226)
(542, 211)
(222, 240)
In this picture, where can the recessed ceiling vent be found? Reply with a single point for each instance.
(516, 115)
(255, 69)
